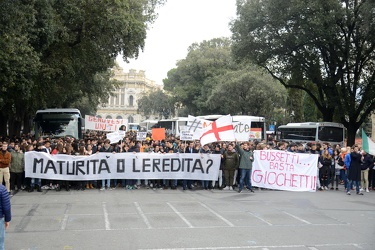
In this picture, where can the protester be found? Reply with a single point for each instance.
(17, 167)
(231, 162)
(245, 166)
(354, 175)
(5, 213)
(5, 158)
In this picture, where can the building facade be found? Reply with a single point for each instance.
(123, 104)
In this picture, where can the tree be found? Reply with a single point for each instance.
(56, 53)
(208, 81)
(191, 81)
(329, 43)
(246, 91)
(157, 103)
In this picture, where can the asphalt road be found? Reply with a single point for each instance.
(199, 219)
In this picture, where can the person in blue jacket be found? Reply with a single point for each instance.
(5, 214)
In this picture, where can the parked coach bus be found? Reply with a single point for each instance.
(55, 123)
(331, 132)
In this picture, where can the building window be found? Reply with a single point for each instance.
(117, 99)
(119, 117)
(122, 95)
(131, 101)
(108, 117)
(98, 116)
(130, 119)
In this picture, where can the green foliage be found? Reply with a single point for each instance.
(192, 81)
(208, 81)
(329, 43)
(57, 53)
(157, 103)
(246, 91)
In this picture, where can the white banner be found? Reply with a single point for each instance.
(242, 130)
(101, 124)
(141, 136)
(186, 135)
(282, 170)
(122, 166)
(115, 137)
(196, 125)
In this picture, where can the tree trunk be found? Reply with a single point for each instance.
(351, 132)
(3, 125)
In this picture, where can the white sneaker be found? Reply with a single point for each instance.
(325, 188)
(226, 188)
(367, 191)
(230, 188)
(361, 190)
(102, 188)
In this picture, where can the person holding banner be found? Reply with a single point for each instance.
(189, 149)
(220, 177)
(106, 149)
(205, 150)
(230, 159)
(246, 164)
(325, 165)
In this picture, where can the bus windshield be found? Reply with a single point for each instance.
(58, 124)
(298, 134)
(313, 131)
(330, 134)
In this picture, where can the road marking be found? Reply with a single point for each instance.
(260, 218)
(218, 215)
(180, 215)
(106, 219)
(256, 247)
(64, 222)
(66, 216)
(145, 220)
(298, 218)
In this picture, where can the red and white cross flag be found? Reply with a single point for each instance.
(219, 130)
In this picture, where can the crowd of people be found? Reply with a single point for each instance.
(348, 168)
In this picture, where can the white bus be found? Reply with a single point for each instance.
(55, 123)
(331, 132)
(172, 126)
(147, 125)
(256, 124)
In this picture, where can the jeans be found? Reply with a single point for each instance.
(108, 183)
(356, 183)
(205, 184)
(343, 177)
(2, 233)
(166, 182)
(36, 181)
(245, 176)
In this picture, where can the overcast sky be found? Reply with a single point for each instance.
(181, 23)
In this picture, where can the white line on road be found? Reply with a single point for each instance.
(180, 215)
(106, 219)
(260, 218)
(218, 215)
(145, 220)
(298, 218)
(255, 247)
(64, 222)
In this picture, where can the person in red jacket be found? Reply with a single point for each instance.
(5, 213)
(5, 157)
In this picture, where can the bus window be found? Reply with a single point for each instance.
(56, 123)
(330, 134)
